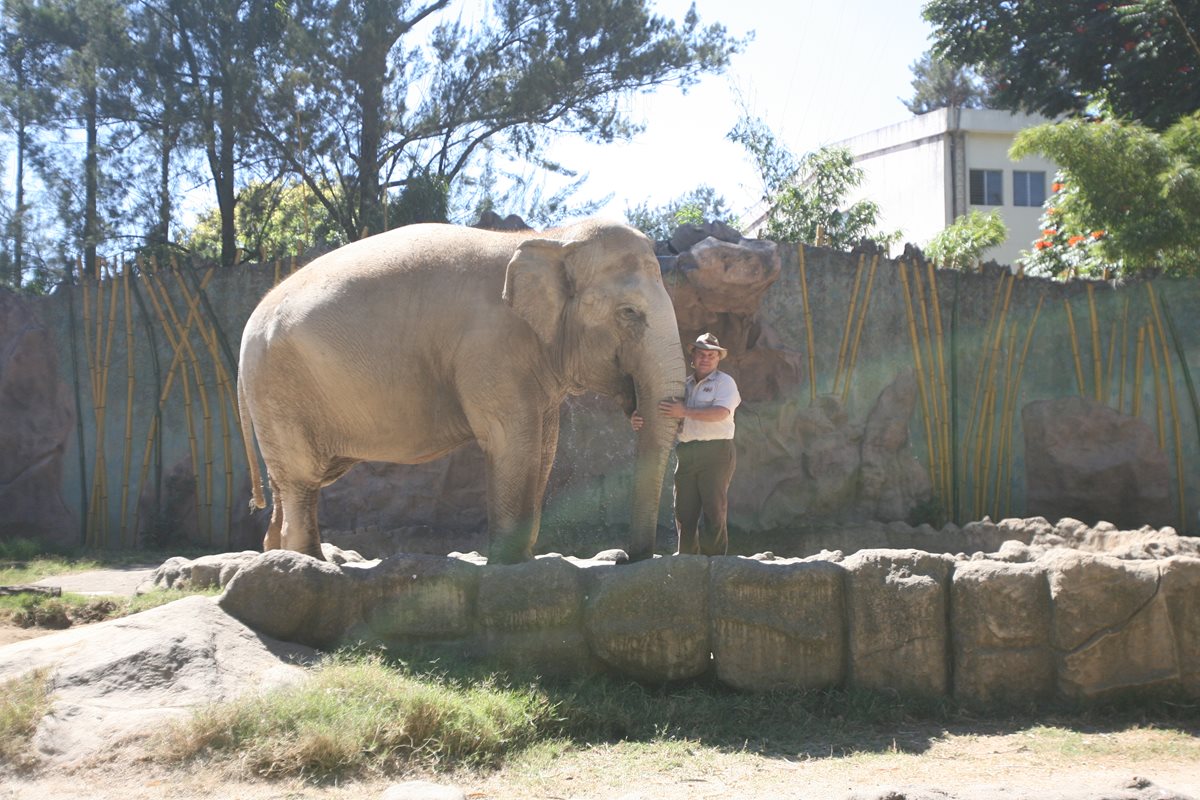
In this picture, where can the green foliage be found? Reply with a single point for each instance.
(356, 715)
(1056, 57)
(939, 84)
(805, 196)
(23, 703)
(276, 219)
(962, 244)
(425, 198)
(696, 207)
(1128, 197)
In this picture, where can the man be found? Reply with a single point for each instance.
(705, 451)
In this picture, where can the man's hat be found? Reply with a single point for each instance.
(706, 341)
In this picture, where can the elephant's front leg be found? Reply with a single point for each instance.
(515, 487)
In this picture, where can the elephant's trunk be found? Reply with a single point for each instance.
(658, 377)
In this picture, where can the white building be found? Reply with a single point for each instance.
(927, 171)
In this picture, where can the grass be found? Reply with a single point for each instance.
(23, 702)
(43, 611)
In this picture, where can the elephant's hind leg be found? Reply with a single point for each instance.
(300, 531)
(273, 539)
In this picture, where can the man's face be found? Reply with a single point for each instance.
(705, 361)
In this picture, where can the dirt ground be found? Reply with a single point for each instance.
(1026, 764)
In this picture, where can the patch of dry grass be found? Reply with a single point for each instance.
(23, 703)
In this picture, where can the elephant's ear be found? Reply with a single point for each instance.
(537, 285)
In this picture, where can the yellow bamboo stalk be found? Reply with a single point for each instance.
(226, 398)
(102, 429)
(808, 328)
(862, 318)
(984, 452)
(1112, 352)
(130, 384)
(1005, 441)
(278, 267)
(974, 416)
(1094, 324)
(943, 391)
(1175, 424)
(1015, 389)
(1151, 345)
(1075, 349)
(845, 346)
(203, 480)
(1138, 368)
(1124, 355)
(920, 370)
(939, 453)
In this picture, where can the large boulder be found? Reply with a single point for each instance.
(1087, 461)
(649, 620)
(1181, 588)
(1111, 625)
(777, 625)
(1000, 623)
(121, 680)
(530, 617)
(897, 612)
(38, 418)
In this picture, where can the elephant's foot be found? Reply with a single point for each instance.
(640, 555)
(501, 552)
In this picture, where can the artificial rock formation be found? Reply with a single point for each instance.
(1047, 621)
(37, 417)
(1087, 461)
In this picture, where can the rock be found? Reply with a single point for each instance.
(1000, 625)
(891, 481)
(202, 573)
(685, 237)
(896, 607)
(1181, 588)
(725, 278)
(672, 643)
(490, 220)
(38, 421)
(530, 617)
(1085, 460)
(1111, 625)
(777, 626)
(422, 790)
(120, 680)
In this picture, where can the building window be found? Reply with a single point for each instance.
(987, 187)
(1029, 188)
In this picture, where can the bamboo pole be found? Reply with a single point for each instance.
(974, 417)
(938, 451)
(991, 364)
(1175, 424)
(943, 387)
(1124, 355)
(845, 346)
(1151, 345)
(1094, 325)
(920, 370)
(862, 319)
(1075, 349)
(130, 384)
(1138, 368)
(278, 267)
(808, 328)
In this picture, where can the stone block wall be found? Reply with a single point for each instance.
(989, 632)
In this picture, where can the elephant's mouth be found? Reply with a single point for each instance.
(627, 395)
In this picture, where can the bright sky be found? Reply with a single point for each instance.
(817, 72)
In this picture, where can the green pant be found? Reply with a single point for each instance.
(702, 479)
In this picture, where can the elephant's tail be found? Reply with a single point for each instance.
(256, 493)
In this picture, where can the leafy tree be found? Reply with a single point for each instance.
(962, 244)
(273, 219)
(1128, 197)
(939, 84)
(805, 196)
(696, 207)
(1056, 57)
(371, 104)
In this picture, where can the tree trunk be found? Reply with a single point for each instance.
(91, 168)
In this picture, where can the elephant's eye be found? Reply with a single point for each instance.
(629, 315)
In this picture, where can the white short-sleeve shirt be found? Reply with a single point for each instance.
(716, 389)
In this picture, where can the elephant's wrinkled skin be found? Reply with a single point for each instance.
(405, 345)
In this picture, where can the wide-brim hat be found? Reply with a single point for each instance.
(706, 341)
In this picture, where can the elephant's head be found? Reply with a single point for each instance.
(594, 295)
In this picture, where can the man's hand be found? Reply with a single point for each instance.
(672, 409)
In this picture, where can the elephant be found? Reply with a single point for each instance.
(405, 345)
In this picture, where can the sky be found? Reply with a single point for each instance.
(817, 72)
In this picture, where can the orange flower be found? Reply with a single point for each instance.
(1057, 187)
(1049, 232)
(1074, 240)
(1042, 244)
(1097, 234)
